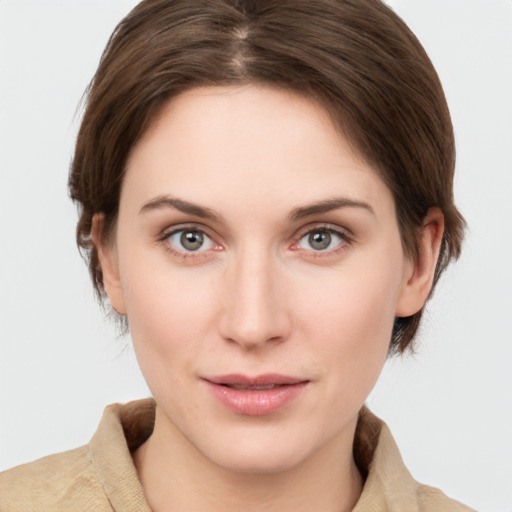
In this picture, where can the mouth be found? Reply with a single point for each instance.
(252, 388)
(265, 380)
(255, 396)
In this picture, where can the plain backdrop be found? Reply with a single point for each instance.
(449, 407)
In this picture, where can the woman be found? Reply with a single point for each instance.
(266, 200)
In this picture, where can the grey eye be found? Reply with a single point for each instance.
(191, 240)
(319, 240)
(322, 240)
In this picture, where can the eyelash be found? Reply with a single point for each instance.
(183, 254)
(346, 239)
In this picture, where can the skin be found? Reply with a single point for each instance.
(258, 297)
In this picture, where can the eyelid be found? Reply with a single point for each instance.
(325, 226)
(190, 226)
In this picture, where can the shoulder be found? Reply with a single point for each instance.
(98, 477)
(431, 499)
(64, 481)
(389, 485)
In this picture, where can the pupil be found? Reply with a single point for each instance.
(320, 240)
(192, 240)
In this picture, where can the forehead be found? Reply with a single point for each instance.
(257, 144)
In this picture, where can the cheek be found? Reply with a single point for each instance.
(349, 321)
(169, 315)
(359, 306)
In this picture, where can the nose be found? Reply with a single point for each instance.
(255, 309)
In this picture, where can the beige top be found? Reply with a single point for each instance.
(101, 477)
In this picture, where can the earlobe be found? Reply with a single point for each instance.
(419, 274)
(109, 266)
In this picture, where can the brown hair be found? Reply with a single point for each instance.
(356, 57)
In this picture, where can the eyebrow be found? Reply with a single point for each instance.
(183, 206)
(328, 206)
(298, 213)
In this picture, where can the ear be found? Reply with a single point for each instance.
(107, 257)
(419, 273)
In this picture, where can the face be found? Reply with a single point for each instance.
(259, 263)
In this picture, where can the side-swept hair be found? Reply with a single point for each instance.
(356, 57)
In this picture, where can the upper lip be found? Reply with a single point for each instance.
(257, 380)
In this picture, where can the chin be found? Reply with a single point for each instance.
(255, 460)
(262, 449)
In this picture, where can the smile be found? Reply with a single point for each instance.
(255, 396)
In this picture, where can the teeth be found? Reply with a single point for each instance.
(253, 388)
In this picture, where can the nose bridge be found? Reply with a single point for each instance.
(254, 310)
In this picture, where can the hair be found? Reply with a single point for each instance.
(357, 58)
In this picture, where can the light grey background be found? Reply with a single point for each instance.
(449, 407)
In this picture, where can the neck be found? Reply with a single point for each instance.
(175, 476)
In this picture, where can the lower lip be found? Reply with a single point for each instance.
(256, 402)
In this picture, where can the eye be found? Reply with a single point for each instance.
(190, 240)
(321, 240)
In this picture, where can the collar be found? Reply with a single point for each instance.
(389, 487)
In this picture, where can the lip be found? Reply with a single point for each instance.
(259, 395)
